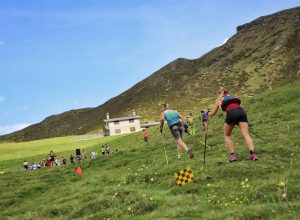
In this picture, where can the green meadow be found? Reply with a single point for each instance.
(136, 183)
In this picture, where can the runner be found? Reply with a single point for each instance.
(236, 115)
(103, 150)
(190, 121)
(146, 135)
(204, 118)
(174, 121)
(25, 165)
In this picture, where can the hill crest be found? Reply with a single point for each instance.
(262, 55)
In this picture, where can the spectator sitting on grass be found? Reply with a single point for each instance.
(83, 154)
(34, 166)
(57, 161)
(64, 161)
(93, 155)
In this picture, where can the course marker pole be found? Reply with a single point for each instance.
(205, 140)
(166, 156)
(256, 135)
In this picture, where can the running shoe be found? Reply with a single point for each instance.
(253, 157)
(190, 152)
(232, 158)
(178, 156)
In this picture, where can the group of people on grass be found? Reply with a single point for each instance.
(235, 115)
(53, 160)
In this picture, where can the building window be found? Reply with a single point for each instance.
(132, 129)
(131, 120)
(116, 122)
(118, 131)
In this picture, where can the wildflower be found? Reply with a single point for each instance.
(281, 183)
(284, 195)
(152, 179)
(151, 198)
(244, 183)
(208, 185)
(129, 208)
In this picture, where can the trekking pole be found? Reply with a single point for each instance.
(205, 140)
(256, 135)
(166, 156)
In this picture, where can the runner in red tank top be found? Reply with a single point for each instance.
(235, 116)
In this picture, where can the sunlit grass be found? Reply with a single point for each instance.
(136, 183)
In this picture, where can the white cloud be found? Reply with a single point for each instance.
(6, 129)
(2, 98)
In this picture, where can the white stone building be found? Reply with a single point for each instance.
(116, 126)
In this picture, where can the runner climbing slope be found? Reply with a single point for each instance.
(204, 118)
(174, 121)
(190, 121)
(236, 115)
(145, 135)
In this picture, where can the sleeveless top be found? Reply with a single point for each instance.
(172, 117)
(230, 102)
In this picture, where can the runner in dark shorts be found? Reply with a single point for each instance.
(174, 120)
(236, 115)
(176, 130)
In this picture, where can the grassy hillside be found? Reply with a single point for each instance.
(136, 183)
(262, 55)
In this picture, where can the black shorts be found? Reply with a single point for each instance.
(176, 130)
(236, 115)
(145, 139)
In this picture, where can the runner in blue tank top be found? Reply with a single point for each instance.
(174, 120)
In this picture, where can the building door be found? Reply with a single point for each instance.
(132, 129)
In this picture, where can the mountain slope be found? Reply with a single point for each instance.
(136, 182)
(263, 54)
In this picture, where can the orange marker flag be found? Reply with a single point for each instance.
(78, 170)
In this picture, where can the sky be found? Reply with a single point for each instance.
(58, 55)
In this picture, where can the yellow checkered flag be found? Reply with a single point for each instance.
(184, 176)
